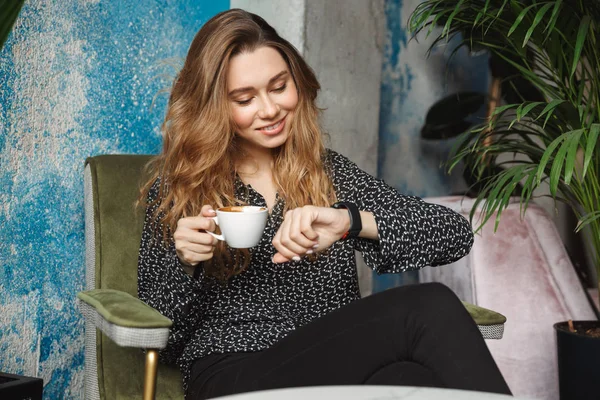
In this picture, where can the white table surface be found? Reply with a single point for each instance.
(364, 392)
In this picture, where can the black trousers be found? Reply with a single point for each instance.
(419, 335)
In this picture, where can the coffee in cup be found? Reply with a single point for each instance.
(241, 226)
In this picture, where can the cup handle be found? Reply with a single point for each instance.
(219, 237)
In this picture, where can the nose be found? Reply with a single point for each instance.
(269, 109)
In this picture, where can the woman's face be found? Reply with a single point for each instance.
(262, 97)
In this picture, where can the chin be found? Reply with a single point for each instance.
(275, 142)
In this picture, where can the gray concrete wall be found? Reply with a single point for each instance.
(343, 43)
(286, 16)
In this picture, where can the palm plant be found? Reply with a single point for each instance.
(555, 46)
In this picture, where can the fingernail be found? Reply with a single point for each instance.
(296, 258)
(315, 246)
(211, 211)
(309, 252)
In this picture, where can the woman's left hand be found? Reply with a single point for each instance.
(309, 229)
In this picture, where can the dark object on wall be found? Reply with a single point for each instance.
(9, 10)
(452, 116)
(515, 88)
(17, 387)
(449, 117)
(578, 360)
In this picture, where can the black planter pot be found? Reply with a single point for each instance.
(578, 361)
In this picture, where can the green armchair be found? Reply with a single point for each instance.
(118, 325)
(114, 361)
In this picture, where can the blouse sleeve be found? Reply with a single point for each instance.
(164, 285)
(412, 233)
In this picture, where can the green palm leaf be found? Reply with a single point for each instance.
(555, 47)
(581, 35)
(592, 143)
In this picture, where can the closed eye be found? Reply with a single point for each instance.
(279, 89)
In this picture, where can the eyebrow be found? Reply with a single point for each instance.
(249, 88)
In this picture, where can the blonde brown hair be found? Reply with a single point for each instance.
(197, 164)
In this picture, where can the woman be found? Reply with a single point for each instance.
(242, 128)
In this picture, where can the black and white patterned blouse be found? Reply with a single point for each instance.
(267, 301)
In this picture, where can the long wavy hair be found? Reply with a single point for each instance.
(197, 164)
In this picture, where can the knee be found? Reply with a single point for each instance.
(423, 296)
(435, 295)
(437, 291)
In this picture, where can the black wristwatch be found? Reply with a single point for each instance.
(355, 221)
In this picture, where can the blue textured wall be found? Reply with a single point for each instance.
(410, 84)
(77, 78)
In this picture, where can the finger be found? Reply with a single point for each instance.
(204, 240)
(201, 248)
(207, 211)
(277, 237)
(197, 248)
(194, 254)
(279, 258)
(301, 216)
(197, 223)
(282, 235)
(185, 235)
(307, 229)
(290, 246)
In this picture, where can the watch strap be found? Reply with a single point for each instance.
(355, 220)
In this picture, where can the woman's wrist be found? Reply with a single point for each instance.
(187, 268)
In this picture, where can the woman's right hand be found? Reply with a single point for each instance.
(192, 243)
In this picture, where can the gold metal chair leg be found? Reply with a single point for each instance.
(150, 374)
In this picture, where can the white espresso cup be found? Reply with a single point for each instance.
(241, 226)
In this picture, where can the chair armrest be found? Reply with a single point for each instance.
(126, 320)
(490, 323)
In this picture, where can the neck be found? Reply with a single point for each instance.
(256, 162)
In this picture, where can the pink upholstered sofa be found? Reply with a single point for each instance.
(523, 272)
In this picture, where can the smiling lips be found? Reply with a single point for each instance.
(274, 129)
